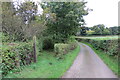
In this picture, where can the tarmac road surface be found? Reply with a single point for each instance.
(88, 65)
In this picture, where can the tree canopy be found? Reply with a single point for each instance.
(68, 18)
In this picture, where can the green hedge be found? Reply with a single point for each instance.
(62, 48)
(110, 47)
(16, 55)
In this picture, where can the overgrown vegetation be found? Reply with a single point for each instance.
(15, 55)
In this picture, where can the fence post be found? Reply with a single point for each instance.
(34, 49)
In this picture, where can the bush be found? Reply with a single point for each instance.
(4, 37)
(61, 48)
(15, 55)
(48, 43)
(39, 44)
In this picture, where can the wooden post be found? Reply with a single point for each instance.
(17, 58)
(34, 49)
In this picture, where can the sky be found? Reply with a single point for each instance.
(104, 12)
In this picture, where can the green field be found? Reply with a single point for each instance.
(100, 37)
(48, 66)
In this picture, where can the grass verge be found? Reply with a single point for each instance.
(47, 66)
(111, 61)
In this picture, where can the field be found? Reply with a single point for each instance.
(100, 37)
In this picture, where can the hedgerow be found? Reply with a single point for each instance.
(63, 48)
(110, 47)
(15, 55)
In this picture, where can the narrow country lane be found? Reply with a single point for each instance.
(88, 65)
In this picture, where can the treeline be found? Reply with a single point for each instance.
(98, 30)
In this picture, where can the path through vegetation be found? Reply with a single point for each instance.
(88, 65)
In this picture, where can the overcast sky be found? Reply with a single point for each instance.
(104, 12)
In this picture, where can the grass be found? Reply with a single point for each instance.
(100, 37)
(47, 66)
(111, 62)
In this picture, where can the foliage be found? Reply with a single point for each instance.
(10, 21)
(99, 29)
(83, 31)
(61, 48)
(68, 16)
(48, 43)
(109, 47)
(114, 30)
(15, 55)
(89, 32)
(39, 44)
(47, 66)
(20, 21)
(4, 38)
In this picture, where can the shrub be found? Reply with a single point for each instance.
(4, 37)
(13, 56)
(61, 48)
(39, 44)
(48, 43)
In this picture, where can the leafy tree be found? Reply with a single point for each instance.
(97, 30)
(21, 22)
(10, 21)
(27, 11)
(106, 32)
(102, 27)
(102, 30)
(68, 17)
(114, 30)
(83, 31)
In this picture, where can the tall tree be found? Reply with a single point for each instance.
(106, 31)
(97, 30)
(21, 22)
(10, 21)
(68, 17)
(114, 30)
